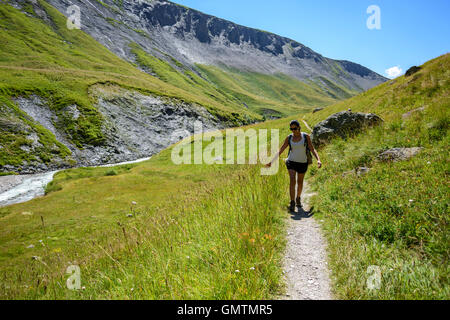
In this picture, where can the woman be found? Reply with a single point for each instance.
(297, 161)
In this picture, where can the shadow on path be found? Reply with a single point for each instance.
(301, 213)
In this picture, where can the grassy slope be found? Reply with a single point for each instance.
(370, 220)
(277, 95)
(60, 65)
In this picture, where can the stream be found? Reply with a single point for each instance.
(22, 188)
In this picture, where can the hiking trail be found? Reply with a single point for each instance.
(307, 126)
(305, 264)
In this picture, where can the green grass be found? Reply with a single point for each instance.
(370, 220)
(191, 228)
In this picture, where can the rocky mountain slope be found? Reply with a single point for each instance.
(115, 90)
(168, 30)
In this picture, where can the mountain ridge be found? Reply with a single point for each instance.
(192, 37)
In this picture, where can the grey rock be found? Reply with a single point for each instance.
(410, 113)
(317, 110)
(362, 171)
(412, 70)
(341, 124)
(135, 126)
(25, 148)
(72, 111)
(399, 154)
(359, 171)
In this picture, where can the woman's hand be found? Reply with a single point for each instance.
(319, 164)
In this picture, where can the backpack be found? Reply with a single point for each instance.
(308, 152)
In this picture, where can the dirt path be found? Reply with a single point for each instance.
(305, 266)
(307, 126)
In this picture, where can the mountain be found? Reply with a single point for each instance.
(138, 74)
(168, 30)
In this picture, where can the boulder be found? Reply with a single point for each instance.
(341, 124)
(412, 70)
(359, 171)
(398, 154)
(410, 113)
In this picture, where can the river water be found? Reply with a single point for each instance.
(22, 188)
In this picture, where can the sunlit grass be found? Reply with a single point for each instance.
(189, 231)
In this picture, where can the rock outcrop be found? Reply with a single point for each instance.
(399, 154)
(410, 113)
(341, 125)
(135, 126)
(412, 70)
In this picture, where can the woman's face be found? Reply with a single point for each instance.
(295, 130)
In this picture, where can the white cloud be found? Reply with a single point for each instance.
(394, 72)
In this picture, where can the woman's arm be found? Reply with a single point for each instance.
(313, 150)
(283, 147)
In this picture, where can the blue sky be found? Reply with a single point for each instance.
(412, 31)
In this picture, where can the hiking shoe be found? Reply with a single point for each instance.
(298, 202)
(292, 206)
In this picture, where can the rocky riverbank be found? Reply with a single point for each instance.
(134, 125)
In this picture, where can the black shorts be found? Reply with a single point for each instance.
(297, 166)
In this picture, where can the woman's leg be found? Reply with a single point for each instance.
(300, 177)
(292, 184)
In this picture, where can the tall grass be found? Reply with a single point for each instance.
(153, 231)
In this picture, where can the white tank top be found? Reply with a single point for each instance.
(298, 152)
